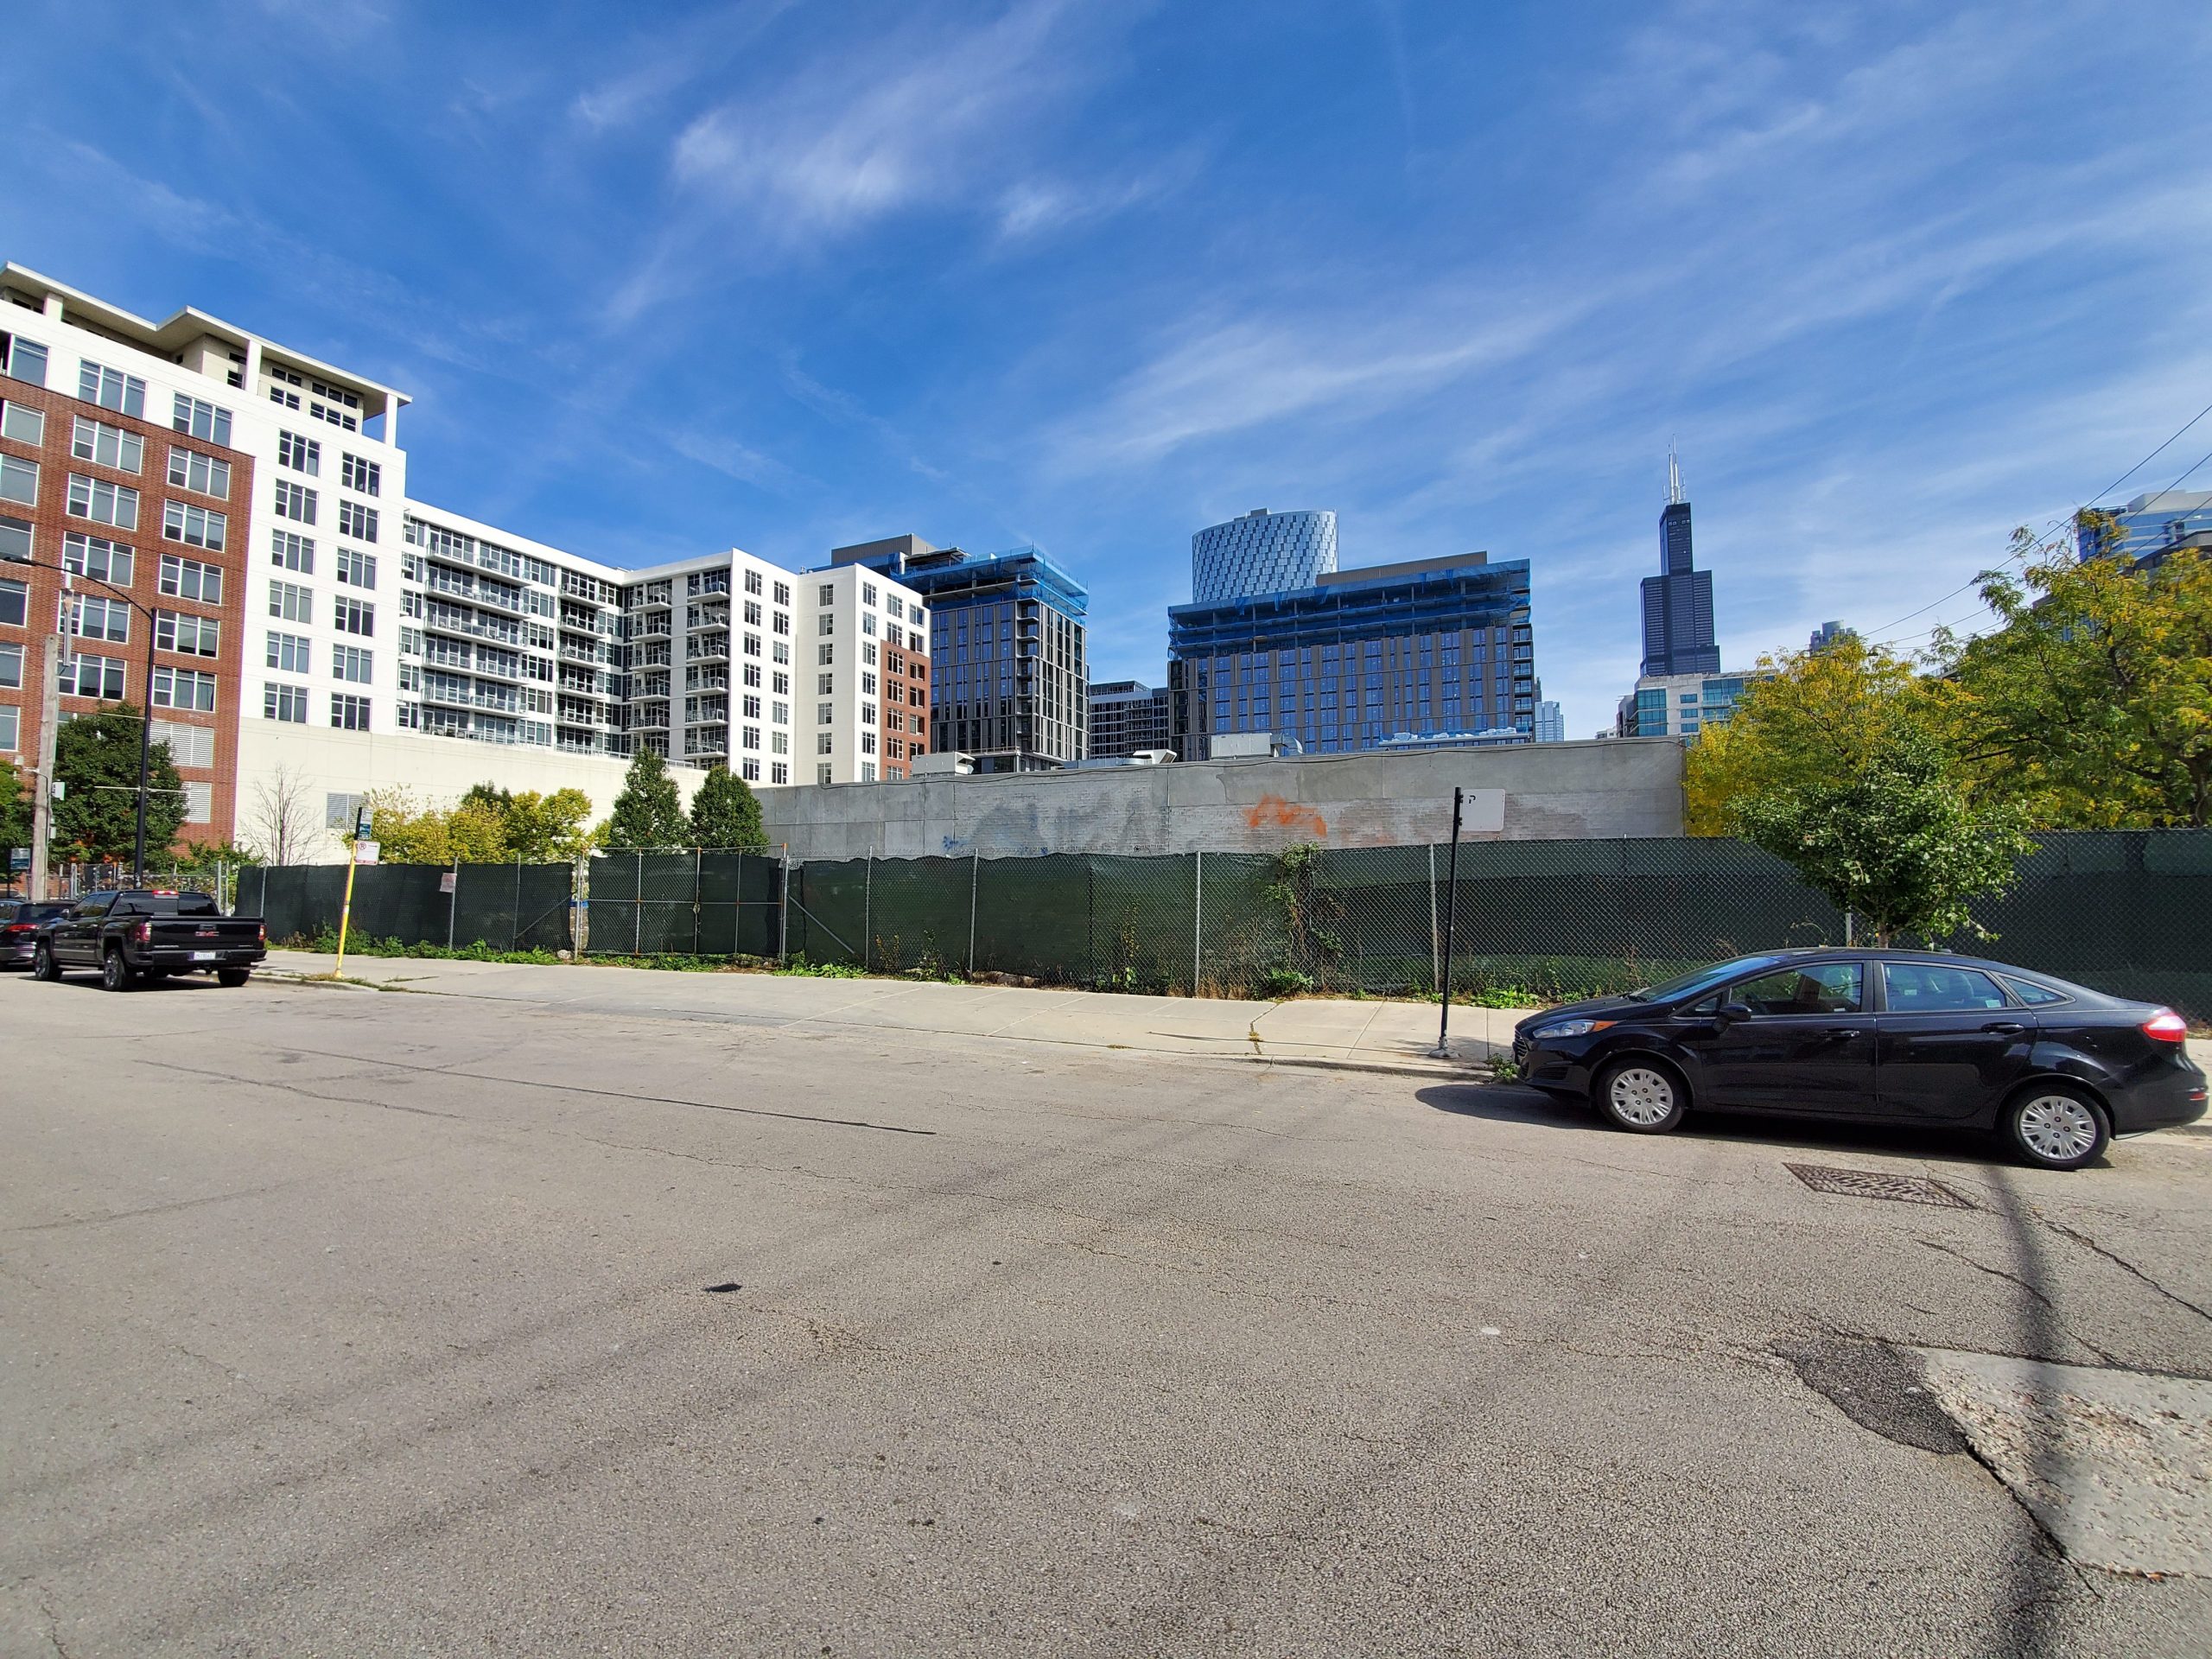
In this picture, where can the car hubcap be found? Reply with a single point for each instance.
(1641, 1097)
(2058, 1127)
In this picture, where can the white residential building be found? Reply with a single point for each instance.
(368, 639)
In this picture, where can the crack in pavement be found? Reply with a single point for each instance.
(2119, 1260)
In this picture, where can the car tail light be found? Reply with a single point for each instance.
(22, 927)
(2166, 1026)
(141, 932)
(262, 933)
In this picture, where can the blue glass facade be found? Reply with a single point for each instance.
(1679, 705)
(2148, 523)
(1262, 552)
(1008, 671)
(1358, 658)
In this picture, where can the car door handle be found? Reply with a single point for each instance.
(2004, 1025)
(1844, 1031)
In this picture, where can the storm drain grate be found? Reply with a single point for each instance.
(1872, 1183)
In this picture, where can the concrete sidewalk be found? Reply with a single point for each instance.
(1369, 1035)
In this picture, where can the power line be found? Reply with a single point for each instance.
(2148, 459)
(2185, 478)
(2043, 541)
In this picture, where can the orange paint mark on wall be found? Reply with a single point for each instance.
(1275, 813)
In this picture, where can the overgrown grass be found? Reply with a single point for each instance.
(367, 944)
(1274, 983)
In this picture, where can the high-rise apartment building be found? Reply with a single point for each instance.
(1358, 657)
(315, 628)
(1007, 681)
(1678, 626)
(782, 677)
(1262, 552)
(1127, 717)
(246, 495)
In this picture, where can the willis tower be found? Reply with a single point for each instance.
(1678, 602)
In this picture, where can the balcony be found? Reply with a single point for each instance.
(572, 652)
(708, 648)
(450, 618)
(706, 679)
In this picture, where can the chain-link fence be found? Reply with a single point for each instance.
(501, 906)
(1539, 920)
(684, 904)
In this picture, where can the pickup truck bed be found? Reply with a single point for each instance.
(135, 933)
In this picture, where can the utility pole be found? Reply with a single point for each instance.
(49, 724)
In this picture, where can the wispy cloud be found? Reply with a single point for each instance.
(884, 130)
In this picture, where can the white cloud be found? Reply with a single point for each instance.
(879, 132)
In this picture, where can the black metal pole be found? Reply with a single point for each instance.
(1451, 916)
(145, 751)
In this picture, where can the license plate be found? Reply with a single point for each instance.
(203, 955)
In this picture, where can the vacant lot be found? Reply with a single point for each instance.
(344, 1322)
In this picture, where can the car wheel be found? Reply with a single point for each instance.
(2054, 1127)
(115, 972)
(42, 964)
(233, 977)
(1641, 1098)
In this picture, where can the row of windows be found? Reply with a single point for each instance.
(290, 602)
(106, 677)
(348, 713)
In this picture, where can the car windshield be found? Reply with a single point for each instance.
(1699, 979)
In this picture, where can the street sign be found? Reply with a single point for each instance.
(362, 829)
(364, 852)
(445, 882)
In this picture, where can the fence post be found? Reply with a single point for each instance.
(698, 876)
(637, 909)
(784, 910)
(453, 902)
(975, 871)
(514, 927)
(579, 908)
(1198, 914)
(868, 913)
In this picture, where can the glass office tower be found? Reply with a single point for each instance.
(1262, 552)
(1358, 657)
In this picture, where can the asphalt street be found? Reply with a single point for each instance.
(348, 1322)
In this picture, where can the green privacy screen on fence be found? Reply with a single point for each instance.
(2125, 910)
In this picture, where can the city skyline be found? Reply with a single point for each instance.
(1038, 273)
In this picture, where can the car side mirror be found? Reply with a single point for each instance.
(1732, 1012)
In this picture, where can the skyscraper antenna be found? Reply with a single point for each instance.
(1673, 477)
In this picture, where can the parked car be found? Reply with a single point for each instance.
(19, 925)
(1896, 1036)
(148, 931)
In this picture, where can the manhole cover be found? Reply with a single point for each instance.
(1872, 1183)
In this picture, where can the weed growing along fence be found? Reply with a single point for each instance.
(1546, 920)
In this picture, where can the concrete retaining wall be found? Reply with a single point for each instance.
(1547, 791)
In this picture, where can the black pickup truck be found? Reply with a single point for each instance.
(148, 932)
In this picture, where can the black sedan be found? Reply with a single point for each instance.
(1883, 1036)
(19, 926)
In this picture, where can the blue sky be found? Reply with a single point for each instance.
(665, 278)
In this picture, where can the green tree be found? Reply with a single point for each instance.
(2092, 706)
(725, 814)
(649, 812)
(410, 831)
(542, 827)
(15, 809)
(96, 759)
(1893, 839)
(1807, 717)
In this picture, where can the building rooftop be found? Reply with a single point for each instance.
(168, 337)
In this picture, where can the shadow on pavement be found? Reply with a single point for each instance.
(1508, 1102)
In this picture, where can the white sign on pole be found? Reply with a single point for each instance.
(364, 852)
